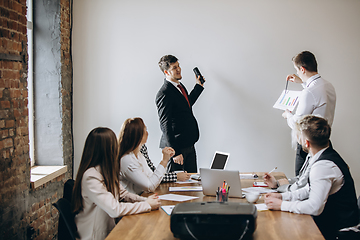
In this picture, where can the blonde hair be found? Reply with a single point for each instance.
(315, 129)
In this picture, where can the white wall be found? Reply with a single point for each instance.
(244, 50)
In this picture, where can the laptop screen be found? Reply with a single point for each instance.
(219, 160)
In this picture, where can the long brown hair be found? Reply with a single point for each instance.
(100, 149)
(131, 135)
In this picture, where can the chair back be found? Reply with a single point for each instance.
(68, 189)
(359, 207)
(67, 227)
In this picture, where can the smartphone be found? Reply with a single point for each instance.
(197, 73)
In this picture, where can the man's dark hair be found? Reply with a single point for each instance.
(306, 60)
(166, 61)
(316, 130)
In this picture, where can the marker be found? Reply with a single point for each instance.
(286, 85)
(272, 170)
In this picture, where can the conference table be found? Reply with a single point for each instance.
(270, 224)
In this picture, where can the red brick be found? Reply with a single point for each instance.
(5, 104)
(10, 123)
(6, 154)
(15, 93)
(4, 133)
(15, 103)
(8, 143)
(17, 113)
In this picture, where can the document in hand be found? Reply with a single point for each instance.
(287, 100)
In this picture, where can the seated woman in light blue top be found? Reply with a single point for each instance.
(135, 174)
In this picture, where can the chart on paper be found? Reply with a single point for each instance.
(287, 100)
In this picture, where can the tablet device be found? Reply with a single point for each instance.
(219, 160)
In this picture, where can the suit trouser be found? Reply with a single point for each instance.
(190, 164)
(299, 159)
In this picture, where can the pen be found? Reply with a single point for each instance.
(287, 82)
(272, 170)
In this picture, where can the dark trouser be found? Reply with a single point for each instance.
(190, 165)
(300, 159)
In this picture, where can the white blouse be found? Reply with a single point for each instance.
(136, 176)
(96, 220)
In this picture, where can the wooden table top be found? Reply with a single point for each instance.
(270, 224)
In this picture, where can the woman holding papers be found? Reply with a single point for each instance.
(98, 197)
(135, 174)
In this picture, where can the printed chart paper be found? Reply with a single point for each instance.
(287, 100)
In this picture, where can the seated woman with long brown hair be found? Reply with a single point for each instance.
(98, 197)
(135, 174)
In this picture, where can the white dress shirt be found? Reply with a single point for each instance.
(299, 181)
(175, 85)
(317, 98)
(136, 176)
(326, 179)
(96, 220)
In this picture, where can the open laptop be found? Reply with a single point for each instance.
(211, 179)
(219, 162)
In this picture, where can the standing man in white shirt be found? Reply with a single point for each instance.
(330, 197)
(317, 98)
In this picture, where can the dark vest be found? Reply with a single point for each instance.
(341, 208)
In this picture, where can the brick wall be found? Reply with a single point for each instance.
(21, 206)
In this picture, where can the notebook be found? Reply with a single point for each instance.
(219, 162)
(211, 179)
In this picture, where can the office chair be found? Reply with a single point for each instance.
(359, 207)
(67, 227)
(68, 189)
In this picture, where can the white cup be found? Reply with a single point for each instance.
(252, 197)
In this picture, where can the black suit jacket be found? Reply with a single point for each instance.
(177, 121)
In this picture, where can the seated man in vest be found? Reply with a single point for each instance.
(331, 197)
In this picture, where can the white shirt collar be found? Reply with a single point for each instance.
(309, 81)
(174, 83)
(317, 155)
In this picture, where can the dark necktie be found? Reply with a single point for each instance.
(184, 93)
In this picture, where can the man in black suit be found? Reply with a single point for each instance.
(177, 122)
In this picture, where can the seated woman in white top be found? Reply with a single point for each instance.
(135, 175)
(97, 192)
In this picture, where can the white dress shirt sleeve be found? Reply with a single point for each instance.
(133, 172)
(325, 179)
(306, 106)
(94, 189)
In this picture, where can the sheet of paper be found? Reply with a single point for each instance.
(188, 181)
(257, 190)
(186, 189)
(259, 184)
(168, 209)
(248, 176)
(176, 197)
(261, 207)
(287, 100)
